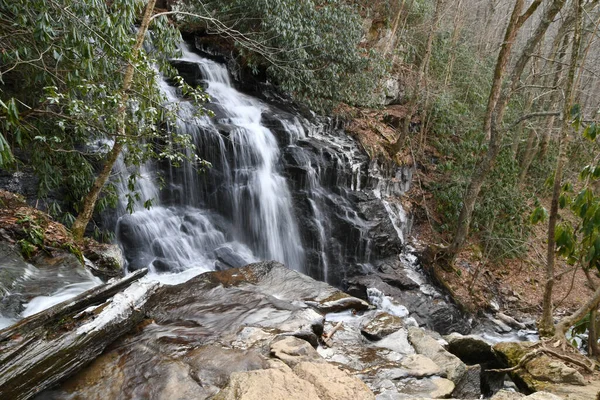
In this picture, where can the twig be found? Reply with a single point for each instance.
(327, 336)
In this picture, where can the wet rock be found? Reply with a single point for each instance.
(339, 302)
(189, 71)
(435, 313)
(162, 265)
(418, 366)
(397, 342)
(424, 344)
(331, 383)
(399, 280)
(108, 259)
(469, 386)
(293, 351)
(381, 325)
(13, 267)
(426, 388)
(445, 318)
(229, 258)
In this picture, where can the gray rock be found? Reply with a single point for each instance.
(426, 345)
(507, 395)
(469, 386)
(418, 366)
(432, 388)
(398, 342)
(544, 368)
(471, 349)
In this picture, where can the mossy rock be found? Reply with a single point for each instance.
(539, 373)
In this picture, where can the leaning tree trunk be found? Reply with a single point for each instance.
(564, 324)
(89, 202)
(546, 325)
(497, 103)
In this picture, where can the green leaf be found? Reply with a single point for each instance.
(540, 214)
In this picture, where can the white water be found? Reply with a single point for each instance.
(179, 242)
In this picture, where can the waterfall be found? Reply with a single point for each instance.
(242, 204)
(281, 186)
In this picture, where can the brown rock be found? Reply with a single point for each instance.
(292, 351)
(272, 384)
(332, 383)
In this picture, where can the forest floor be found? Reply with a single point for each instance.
(516, 285)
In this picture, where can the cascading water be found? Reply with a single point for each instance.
(238, 211)
(279, 187)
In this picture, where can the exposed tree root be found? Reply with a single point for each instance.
(579, 360)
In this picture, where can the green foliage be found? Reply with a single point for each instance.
(61, 67)
(34, 235)
(309, 48)
(579, 241)
(455, 118)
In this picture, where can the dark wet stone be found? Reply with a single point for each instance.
(228, 258)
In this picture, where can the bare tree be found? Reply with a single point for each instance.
(497, 103)
(546, 325)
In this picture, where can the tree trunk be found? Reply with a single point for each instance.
(424, 67)
(89, 202)
(546, 325)
(485, 165)
(388, 45)
(593, 348)
(497, 103)
(455, 35)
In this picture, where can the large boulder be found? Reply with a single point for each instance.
(471, 349)
(276, 384)
(469, 386)
(332, 383)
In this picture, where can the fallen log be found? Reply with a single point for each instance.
(41, 350)
(80, 302)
